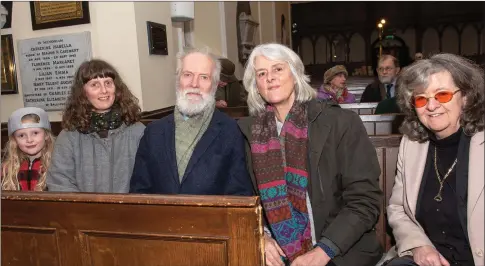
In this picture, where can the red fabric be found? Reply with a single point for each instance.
(28, 179)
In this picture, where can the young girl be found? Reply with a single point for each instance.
(28, 150)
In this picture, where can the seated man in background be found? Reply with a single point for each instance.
(334, 87)
(197, 149)
(384, 88)
(230, 91)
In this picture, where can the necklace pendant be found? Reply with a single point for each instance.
(438, 198)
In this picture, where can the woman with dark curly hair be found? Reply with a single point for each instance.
(95, 151)
(436, 209)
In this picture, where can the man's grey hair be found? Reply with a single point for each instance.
(216, 71)
(274, 51)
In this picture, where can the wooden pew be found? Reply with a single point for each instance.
(360, 108)
(384, 124)
(77, 229)
(387, 148)
(157, 114)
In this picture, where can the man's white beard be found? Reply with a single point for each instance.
(385, 80)
(190, 107)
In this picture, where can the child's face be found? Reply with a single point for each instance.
(30, 140)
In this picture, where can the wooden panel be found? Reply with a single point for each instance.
(383, 128)
(361, 108)
(23, 245)
(387, 148)
(391, 170)
(381, 223)
(131, 229)
(385, 124)
(370, 128)
(112, 248)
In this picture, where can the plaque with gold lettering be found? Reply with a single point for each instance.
(53, 14)
(9, 73)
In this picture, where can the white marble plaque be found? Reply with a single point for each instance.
(47, 67)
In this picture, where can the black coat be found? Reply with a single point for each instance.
(374, 92)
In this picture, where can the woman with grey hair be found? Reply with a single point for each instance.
(437, 204)
(312, 165)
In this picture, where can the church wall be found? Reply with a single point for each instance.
(157, 72)
(111, 38)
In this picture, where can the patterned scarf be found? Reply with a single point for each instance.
(282, 176)
(105, 121)
(340, 95)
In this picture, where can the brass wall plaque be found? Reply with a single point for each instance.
(47, 15)
(8, 69)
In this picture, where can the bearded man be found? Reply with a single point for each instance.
(384, 88)
(197, 149)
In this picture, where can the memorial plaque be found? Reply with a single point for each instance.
(47, 14)
(157, 38)
(47, 67)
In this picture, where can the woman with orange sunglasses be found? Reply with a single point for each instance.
(436, 209)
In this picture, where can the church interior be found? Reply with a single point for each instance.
(43, 45)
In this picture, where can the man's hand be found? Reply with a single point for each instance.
(428, 256)
(221, 104)
(314, 257)
(272, 252)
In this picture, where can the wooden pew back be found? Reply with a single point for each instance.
(360, 108)
(387, 148)
(74, 229)
(385, 124)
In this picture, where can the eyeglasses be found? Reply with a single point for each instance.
(441, 97)
(387, 69)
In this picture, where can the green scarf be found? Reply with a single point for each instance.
(188, 132)
(102, 122)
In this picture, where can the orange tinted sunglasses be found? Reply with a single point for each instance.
(441, 97)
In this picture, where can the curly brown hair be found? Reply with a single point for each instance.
(466, 75)
(77, 113)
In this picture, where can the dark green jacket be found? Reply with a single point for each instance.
(233, 93)
(388, 106)
(344, 182)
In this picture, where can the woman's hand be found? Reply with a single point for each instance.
(428, 256)
(272, 252)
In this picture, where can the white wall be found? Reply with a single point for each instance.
(119, 36)
(267, 14)
(111, 39)
(266, 22)
(157, 72)
(22, 29)
(230, 16)
(206, 26)
(282, 8)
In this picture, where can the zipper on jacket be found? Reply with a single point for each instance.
(29, 176)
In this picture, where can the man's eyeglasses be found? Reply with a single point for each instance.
(441, 97)
(387, 69)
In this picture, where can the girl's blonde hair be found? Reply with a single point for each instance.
(13, 157)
